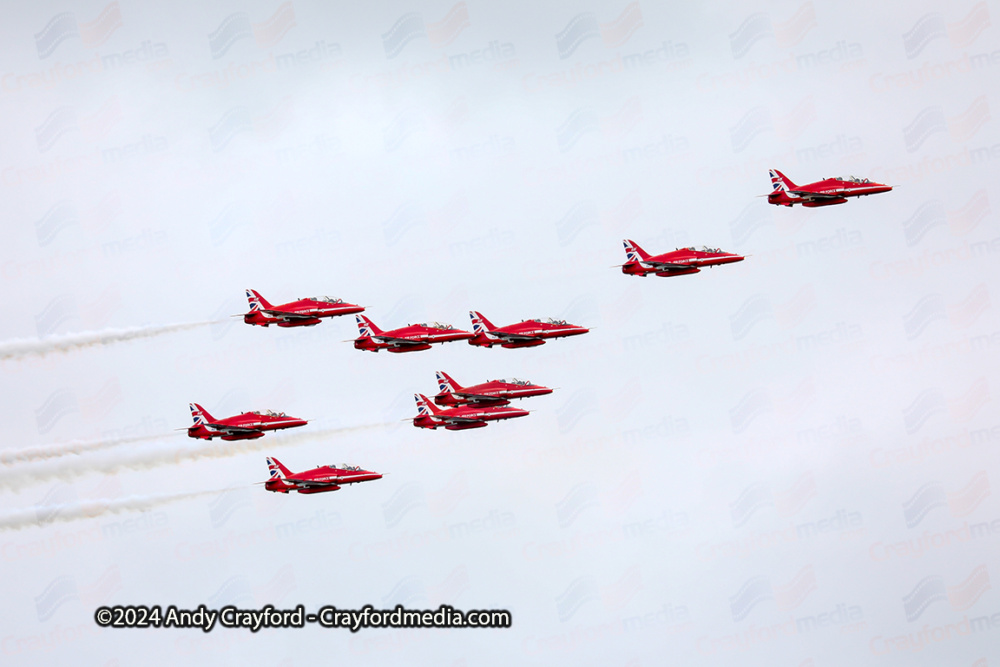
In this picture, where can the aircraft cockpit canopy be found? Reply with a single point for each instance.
(434, 325)
(550, 320)
(705, 248)
(344, 466)
(853, 179)
(269, 413)
(520, 383)
(327, 299)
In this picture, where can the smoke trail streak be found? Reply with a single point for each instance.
(43, 452)
(22, 347)
(70, 468)
(43, 515)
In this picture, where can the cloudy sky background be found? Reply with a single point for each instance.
(784, 461)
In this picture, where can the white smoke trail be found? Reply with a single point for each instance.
(67, 469)
(42, 515)
(22, 347)
(43, 452)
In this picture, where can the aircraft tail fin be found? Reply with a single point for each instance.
(366, 328)
(424, 407)
(200, 415)
(780, 183)
(633, 253)
(480, 325)
(257, 302)
(276, 470)
(445, 384)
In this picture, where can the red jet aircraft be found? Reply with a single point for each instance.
(526, 333)
(827, 192)
(675, 263)
(494, 392)
(317, 480)
(410, 338)
(301, 313)
(461, 417)
(245, 426)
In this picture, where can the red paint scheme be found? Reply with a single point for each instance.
(494, 392)
(301, 313)
(828, 192)
(462, 417)
(675, 263)
(317, 480)
(245, 426)
(526, 333)
(411, 338)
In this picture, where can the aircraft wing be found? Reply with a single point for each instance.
(481, 398)
(813, 195)
(462, 420)
(235, 430)
(307, 484)
(397, 341)
(666, 266)
(289, 316)
(512, 336)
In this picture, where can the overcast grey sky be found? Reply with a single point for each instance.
(785, 461)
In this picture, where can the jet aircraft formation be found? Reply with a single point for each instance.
(462, 407)
(454, 407)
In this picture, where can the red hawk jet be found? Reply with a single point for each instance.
(317, 480)
(675, 263)
(526, 333)
(301, 313)
(410, 338)
(461, 417)
(827, 192)
(494, 392)
(245, 426)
